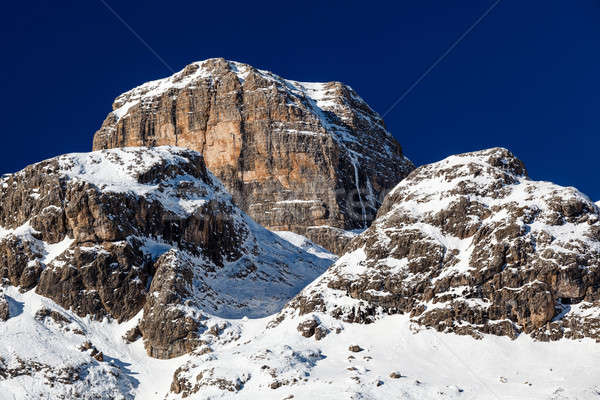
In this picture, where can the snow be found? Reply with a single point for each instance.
(117, 170)
(27, 338)
(47, 252)
(306, 245)
(416, 204)
(257, 348)
(427, 196)
(52, 251)
(433, 365)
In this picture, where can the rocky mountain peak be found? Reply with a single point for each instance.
(471, 245)
(312, 158)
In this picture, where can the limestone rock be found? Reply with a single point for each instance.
(296, 156)
(471, 245)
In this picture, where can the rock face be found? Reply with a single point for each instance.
(94, 231)
(4, 308)
(471, 245)
(301, 157)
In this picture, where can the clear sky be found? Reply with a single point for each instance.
(526, 78)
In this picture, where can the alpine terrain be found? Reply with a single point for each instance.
(236, 235)
(145, 235)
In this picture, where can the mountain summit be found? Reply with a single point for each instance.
(312, 158)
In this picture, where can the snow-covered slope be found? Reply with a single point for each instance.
(243, 359)
(471, 245)
(305, 244)
(393, 362)
(109, 233)
(438, 232)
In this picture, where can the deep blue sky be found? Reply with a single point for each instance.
(527, 78)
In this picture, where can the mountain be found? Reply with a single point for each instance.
(471, 245)
(460, 289)
(129, 273)
(311, 158)
(109, 234)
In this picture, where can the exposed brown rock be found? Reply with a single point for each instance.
(99, 356)
(167, 330)
(4, 309)
(294, 156)
(57, 317)
(133, 334)
(312, 327)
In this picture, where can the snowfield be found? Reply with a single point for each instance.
(431, 365)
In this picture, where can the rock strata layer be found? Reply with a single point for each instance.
(312, 158)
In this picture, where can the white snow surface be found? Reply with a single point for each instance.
(306, 245)
(432, 365)
(126, 372)
(117, 170)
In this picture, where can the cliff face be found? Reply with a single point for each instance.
(108, 233)
(301, 157)
(471, 245)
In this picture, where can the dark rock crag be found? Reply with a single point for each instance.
(471, 245)
(113, 232)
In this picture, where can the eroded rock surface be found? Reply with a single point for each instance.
(111, 232)
(299, 157)
(471, 245)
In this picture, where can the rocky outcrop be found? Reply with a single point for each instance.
(301, 157)
(471, 245)
(4, 308)
(168, 328)
(94, 231)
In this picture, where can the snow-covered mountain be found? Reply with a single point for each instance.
(312, 158)
(129, 273)
(503, 268)
(109, 233)
(471, 245)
